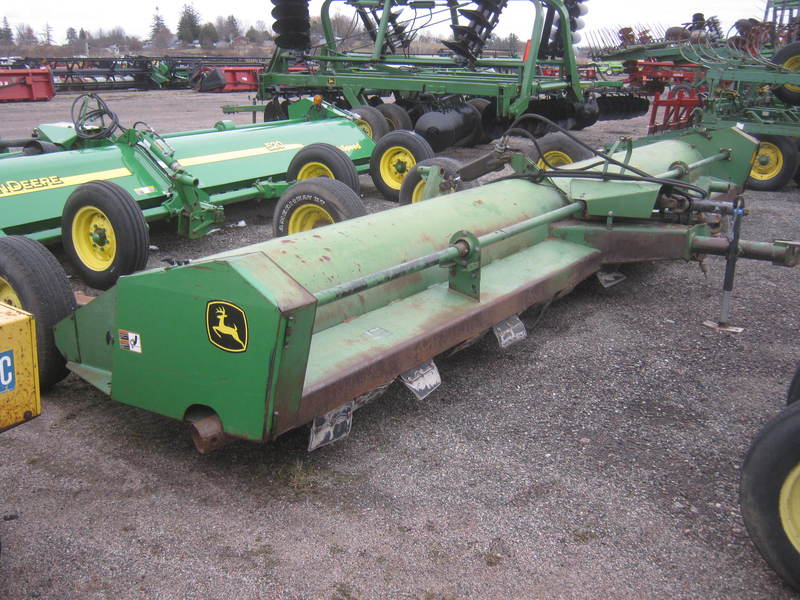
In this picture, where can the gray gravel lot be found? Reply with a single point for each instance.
(599, 458)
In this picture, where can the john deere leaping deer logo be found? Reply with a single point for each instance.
(226, 325)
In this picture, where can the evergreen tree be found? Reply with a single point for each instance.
(72, 36)
(208, 36)
(47, 35)
(189, 24)
(158, 25)
(232, 29)
(6, 35)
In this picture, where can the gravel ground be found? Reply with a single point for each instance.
(599, 458)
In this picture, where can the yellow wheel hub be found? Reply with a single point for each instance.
(314, 169)
(556, 158)
(365, 127)
(768, 163)
(309, 216)
(8, 295)
(395, 163)
(93, 238)
(789, 505)
(793, 64)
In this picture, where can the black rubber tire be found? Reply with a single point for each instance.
(43, 290)
(561, 143)
(374, 119)
(480, 136)
(413, 179)
(782, 56)
(794, 388)
(334, 159)
(334, 197)
(784, 174)
(772, 457)
(413, 146)
(396, 116)
(130, 231)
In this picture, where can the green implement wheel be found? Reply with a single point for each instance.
(104, 233)
(789, 58)
(371, 121)
(770, 493)
(557, 150)
(413, 187)
(395, 115)
(324, 160)
(775, 163)
(394, 156)
(313, 203)
(32, 279)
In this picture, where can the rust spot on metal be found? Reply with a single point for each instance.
(325, 258)
(287, 241)
(477, 202)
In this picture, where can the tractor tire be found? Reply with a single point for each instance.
(413, 185)
(371, 121)
(394, 156)
(396, 116)
(794, 388)
(770, 494)
(789, 58)
(313, 203)
(556, 150)
(104, 233)
(32, 279)
(775, 163)
(480, 136)
(324, 160)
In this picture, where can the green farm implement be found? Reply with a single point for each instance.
(456, 97)
(302, 329)
(94, 185)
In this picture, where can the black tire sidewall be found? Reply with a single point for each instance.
(376, 121)
(334, 196)
(794, 388)
(130, 231)
(772, 456)
(416, 145)
(413, 178)
(396, 116)
(779, 58)
(786, 174)
(332, 157)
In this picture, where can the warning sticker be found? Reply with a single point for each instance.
(130, 340)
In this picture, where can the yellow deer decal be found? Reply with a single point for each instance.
(222, 329)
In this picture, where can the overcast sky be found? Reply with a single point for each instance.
(136, 17)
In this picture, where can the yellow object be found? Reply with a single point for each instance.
(19, 372)
(94, 239)
(314, 169)
(309, 216)
(768, 163)
(789, 504)
(395, 163)
(793, 64)
(554, 158)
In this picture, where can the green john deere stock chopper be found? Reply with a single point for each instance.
(95, 185)
(458, 97)
(305, 329)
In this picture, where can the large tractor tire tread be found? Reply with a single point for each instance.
(788, 57)
(313, 203)
(775, 164)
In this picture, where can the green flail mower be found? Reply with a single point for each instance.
(95, 185)
(305, 329)
(457, 97)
